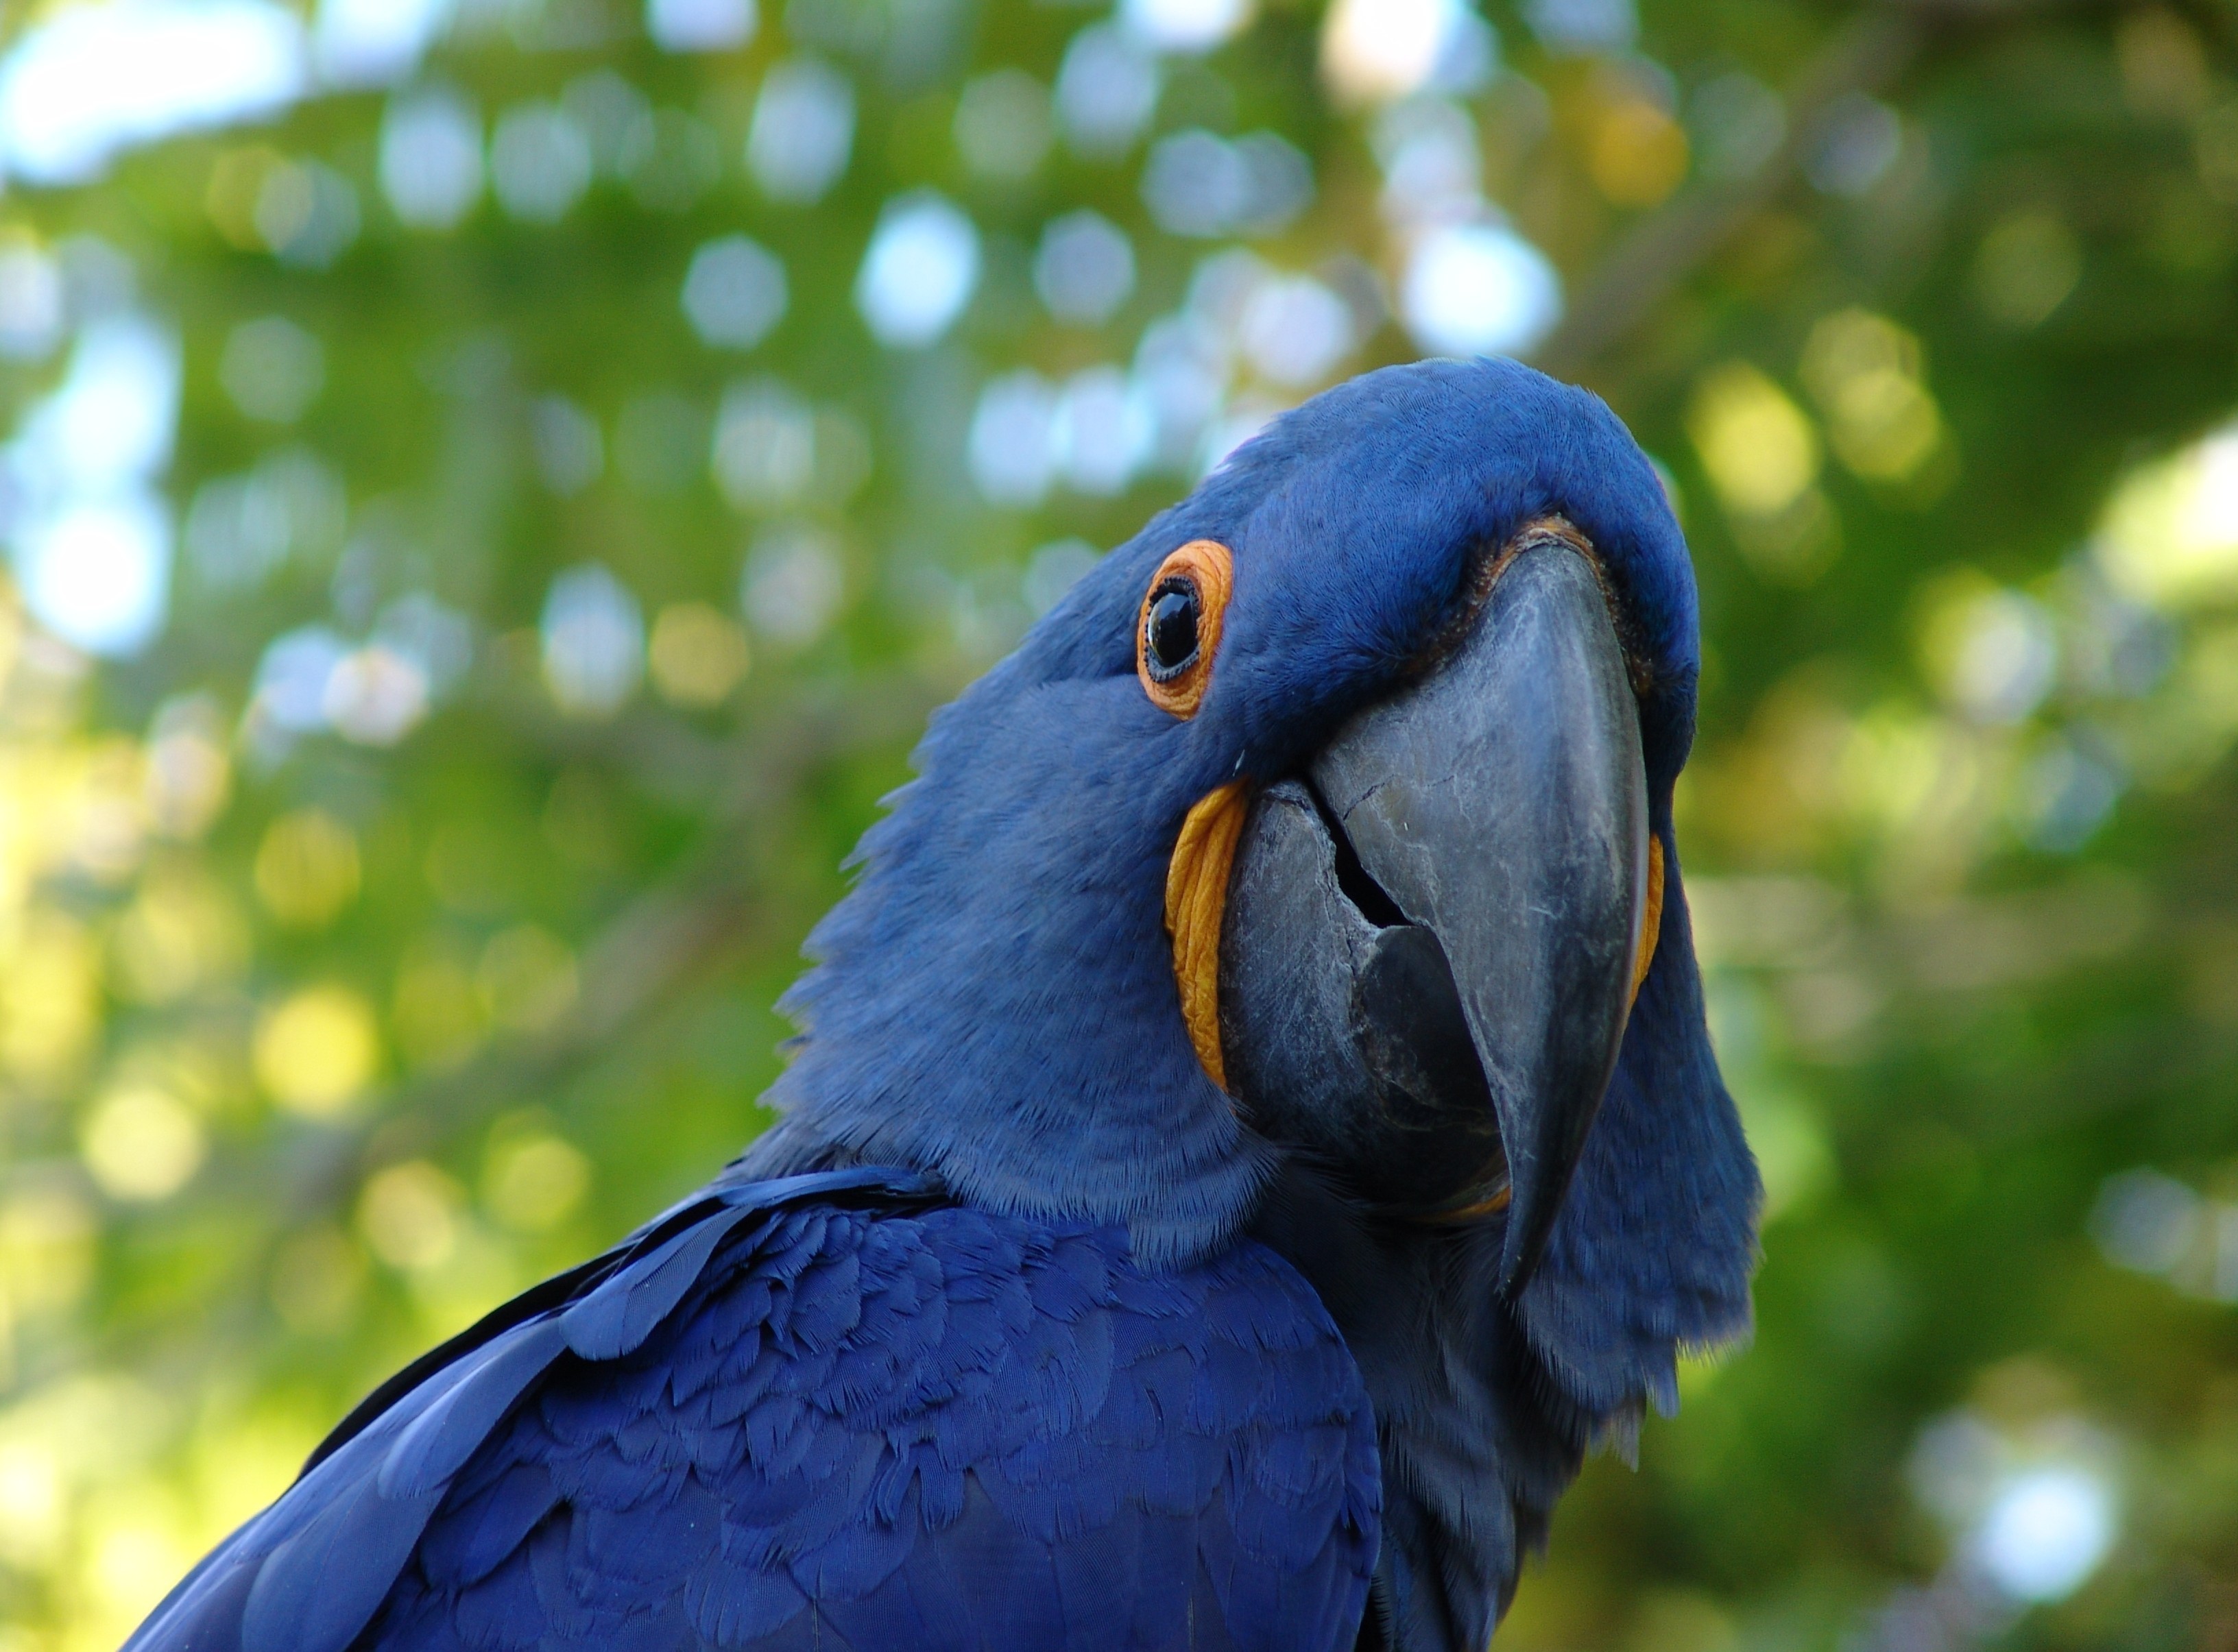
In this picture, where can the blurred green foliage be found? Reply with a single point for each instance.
(400, 921)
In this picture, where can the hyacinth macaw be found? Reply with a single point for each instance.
(1253, 1130)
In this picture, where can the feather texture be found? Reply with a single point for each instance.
(839, 1411)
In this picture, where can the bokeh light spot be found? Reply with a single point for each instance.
(438, 1013)
(1010, 447)
(699, 654)
(305, 213)
(803, 131)
(30, 302)
(1085, 268)
(48, 998)
(1992, 652)
(272, 369)
(701, 25)
(533, 1178)
(1856, 144)
(1374, 51)
(47, 1234)
(409, 1215)
(1106, 90)
(1296, 331)
(1186, 25)
(1639, 153)
(1569, 27)
(1739, 124)
(570, 449)
(431, 158)
(2169, 535)
(142, 1144)
(1864, 372)
(593, 642)
(734, 291)
(33, 1511)
(2145, 1221)
(1003, 126)
(97, 574)
(1200, 185)
(764, 449)
(1101, 430)
(240, 529)
(2046, 1532)
(316, 1050)
(189, 770)
(540, 161)
(94, 80)
(920, 271)
(1757, 446)
(1478, 289)
(182, 932)
(376, 694)
(374, 43)
(306, 868)
(671, 160)
(2026, 268)
(793, 584)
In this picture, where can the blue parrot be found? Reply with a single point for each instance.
(1253, 1130)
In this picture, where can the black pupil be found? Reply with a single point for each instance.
(1173, 630)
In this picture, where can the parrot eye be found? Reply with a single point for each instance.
(1179, 629)
(1169, 629)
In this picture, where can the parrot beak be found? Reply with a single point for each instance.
(1431, 936)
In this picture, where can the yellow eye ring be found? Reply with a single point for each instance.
(1177, 630)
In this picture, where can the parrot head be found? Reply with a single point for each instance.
(1326, 822)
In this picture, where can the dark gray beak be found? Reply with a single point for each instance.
(1427, 954)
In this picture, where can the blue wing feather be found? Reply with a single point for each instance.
(833, 1412)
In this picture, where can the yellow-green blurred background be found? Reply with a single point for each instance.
(491, 487)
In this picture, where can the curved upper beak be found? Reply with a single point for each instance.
(1428, 952)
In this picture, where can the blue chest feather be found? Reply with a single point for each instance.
(832, 1422)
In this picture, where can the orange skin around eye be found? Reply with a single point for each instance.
(1197, 881)
(1205, 564)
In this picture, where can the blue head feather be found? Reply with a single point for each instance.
(994, 1002)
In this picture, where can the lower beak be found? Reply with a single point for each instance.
(1429, 947)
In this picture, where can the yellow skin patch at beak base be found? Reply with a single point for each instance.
(1196, 901)
(1651, 920)
(1196, 904)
